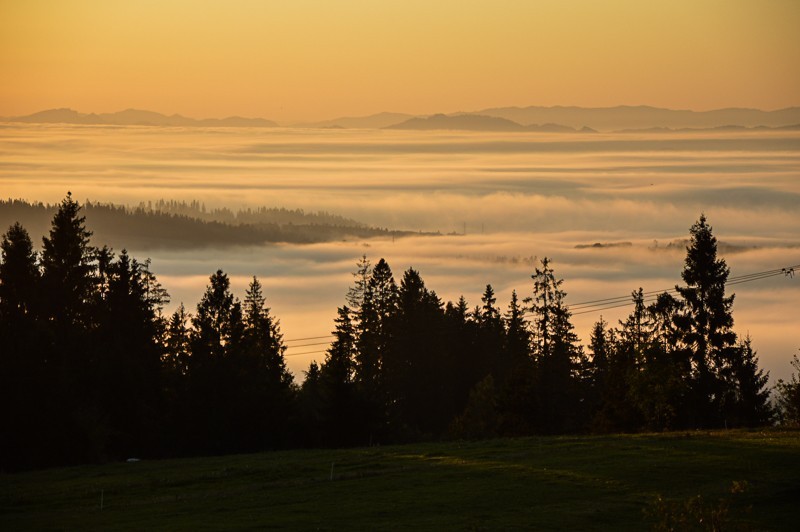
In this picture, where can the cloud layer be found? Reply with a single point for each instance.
(518, 198)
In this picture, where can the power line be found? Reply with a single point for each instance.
(598, 305)
(595, 305)
(309, 338)
(304, 353)
(309, 345)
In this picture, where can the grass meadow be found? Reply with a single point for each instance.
(745, 480)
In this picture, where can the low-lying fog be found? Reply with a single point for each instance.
(518, 198)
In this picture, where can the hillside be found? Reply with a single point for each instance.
(750, 479)
(187, 226)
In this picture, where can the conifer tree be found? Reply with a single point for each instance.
(339, 366)
(214, 388)
(69, 296)
(748, 403)
(264, 395)
(517, 338)
(788, 396)
(24, 383)
(706, 324)
(417, 363)
(128, 356)
(343, 420)
(357, 292)
(556, 352)
(378, 306)
(19, 275)
(263, 338)
(68, 266)
(491, 336)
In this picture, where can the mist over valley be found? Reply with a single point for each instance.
(498, 200)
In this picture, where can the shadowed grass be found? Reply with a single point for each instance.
(576, 483)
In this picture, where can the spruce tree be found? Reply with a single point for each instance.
(749, 404)
(24, 383)
(342, 419)
(378, 306)
(491, 336)
(706, 325)
(417, 363)
(69, 298)
(517, 340)
(128, 357)
(788, 396)
(264, 395)
(214, 387)
(557, 355)
(69, 267)
(19, 275)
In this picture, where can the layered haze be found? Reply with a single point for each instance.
(501, 200)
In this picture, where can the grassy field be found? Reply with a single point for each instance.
(571, 483)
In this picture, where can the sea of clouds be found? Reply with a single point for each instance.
(501, 201)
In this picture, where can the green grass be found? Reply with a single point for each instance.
(572, 483)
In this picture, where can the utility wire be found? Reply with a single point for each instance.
(309, 338)
(595, 305)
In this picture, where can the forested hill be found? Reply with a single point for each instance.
(171, 224)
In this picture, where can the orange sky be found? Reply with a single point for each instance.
(315, 59)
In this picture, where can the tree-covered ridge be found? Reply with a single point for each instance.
(186, 225)
(92, 369)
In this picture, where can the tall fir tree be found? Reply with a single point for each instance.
(342, 420)
(265, 394)
(378, 306)
(706, 325)
(214, 389)
(556, 352)
(748, 404)
(69, 301)
(24, 382)
(69, 267)
(128, 359)
(417, 363)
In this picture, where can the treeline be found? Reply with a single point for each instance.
(189, 226)
(91, 369)
(258, 215)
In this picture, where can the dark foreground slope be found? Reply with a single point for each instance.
(750, 479)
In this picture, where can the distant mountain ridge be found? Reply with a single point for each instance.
(477, 122)
(645, 117)
(136, 117)
(375, 121)
(523, 119)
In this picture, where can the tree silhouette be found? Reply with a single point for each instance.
(216, 340)
(128, 357)
(69, 296)
(378, 306)
(68, 267)
(748, 399)
(556, 353)
(706, 324)
(343, 420)
(788, 399)
(265, 391)
(24, 380)
(417, 365)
